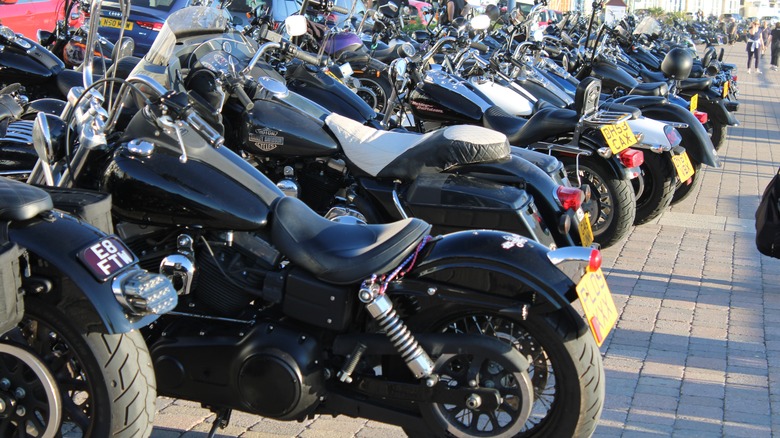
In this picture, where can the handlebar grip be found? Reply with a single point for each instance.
(204, 129)
(339, 9)
(479, 46)
(238, 90)
(307, 57)
(552, 49)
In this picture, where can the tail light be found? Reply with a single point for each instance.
(701, 116)
(151, 25)
(594, 264)
(734, 78)
(672, 135)
(569, 197)
(632, 158)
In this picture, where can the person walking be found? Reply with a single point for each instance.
(754, 44)
(774, 43)
(731, 28)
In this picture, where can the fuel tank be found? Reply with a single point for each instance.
(313, 83)
(27, 62)
(445, 98)
(612, 77)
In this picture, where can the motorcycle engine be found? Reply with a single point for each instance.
(315, 182)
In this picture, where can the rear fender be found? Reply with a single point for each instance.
(490, 270)
(694, 138)
(711, 103)
(56, 241)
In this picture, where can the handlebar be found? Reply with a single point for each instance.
(307, 57)
(204, 129)
(479, 46)
(237, 88)
(436, 47)
(339, 9)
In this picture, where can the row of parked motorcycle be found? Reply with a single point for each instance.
(318, 218)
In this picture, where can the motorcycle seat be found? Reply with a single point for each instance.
(341, 253)
(547, 122)
(641, 101)
(21, 202)
(696, 84)
(386, 55)
(354, 58)
(616, 107)
(652, 76)
(404, 155)
(68, 79)
(651, 89)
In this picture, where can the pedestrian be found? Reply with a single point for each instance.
(754, 44)
(731, 27)
(452, 9)
(764, 36)
(774, 41)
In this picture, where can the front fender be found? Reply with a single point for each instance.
(57, 241)
(694, 138)
(486, 265)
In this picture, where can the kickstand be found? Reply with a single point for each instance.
(221, 422)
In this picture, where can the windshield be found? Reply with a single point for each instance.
(648, 26)
(187, 21)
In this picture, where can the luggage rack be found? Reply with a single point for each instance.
(601, 118)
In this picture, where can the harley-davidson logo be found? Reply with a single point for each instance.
(422, 106)
(266, 139)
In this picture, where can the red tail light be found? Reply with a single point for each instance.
(632, 158)
(734, 77)
(569, 197)
(151, 25)
(595, 261)
(702, 116)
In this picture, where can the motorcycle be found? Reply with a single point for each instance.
(286, 314)
(72, 359)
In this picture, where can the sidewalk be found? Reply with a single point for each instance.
(696, 351)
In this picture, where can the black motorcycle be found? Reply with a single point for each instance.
(286, 314)
(73, 298)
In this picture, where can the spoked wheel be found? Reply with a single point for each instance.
(566, 375)
(612, 207)
(29, 397)
(368, 96)
(106, 382)
(654, 189)
(378, 85)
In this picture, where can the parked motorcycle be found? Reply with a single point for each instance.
(286, 314)
(72, 360)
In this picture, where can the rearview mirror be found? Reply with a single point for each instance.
(480, 22)
(295, 25)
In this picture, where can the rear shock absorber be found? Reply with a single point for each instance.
(381, 309)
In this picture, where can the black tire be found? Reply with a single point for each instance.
(612, 207)
(379, 85)
(656, 187)
(566, 368)
(717, 132)
(107, 382)
(684, 190)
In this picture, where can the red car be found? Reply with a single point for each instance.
(27, 16)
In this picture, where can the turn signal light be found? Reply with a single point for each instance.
(569, 197)
(632, 158)
(702, 116)
(594, 264)
(151, 25)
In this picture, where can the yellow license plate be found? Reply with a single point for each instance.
(598, 304)
(725, 89)
(694, 102)
(111, 22)
(586, 232)
(683, 165)
(619, 137)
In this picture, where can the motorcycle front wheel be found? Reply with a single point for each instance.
(612, 207)
(106, 381)
(379, 86)
(566, 373)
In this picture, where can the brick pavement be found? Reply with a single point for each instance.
(696, 349)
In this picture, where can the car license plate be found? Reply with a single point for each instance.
(694, 102)
(725, 89)
(586, 232)
(619, 137)
(111, 22)
(106, 257)
(598, 304)
(683, 165)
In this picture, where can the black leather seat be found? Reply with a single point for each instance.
(641, 101)
(548, 122)
(341, 253)
(68, 79)
(499, 120)
(651, 89)
(651, 76)
(696, 84)
(20, 202)
(354, 58)
(615, 107)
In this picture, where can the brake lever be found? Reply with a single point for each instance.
(168, 122)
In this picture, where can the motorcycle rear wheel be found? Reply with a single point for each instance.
(717, 132)
(106, 381)
(684, 190)
(566, 369)
(658, 181)
(613, 203)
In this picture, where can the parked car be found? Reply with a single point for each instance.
(27, 16)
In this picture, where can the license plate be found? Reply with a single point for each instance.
(111, 22)
(598, 304)
(586, 232)
(725, 89)
(106, 257)
(694, 102)
(683, 165)
(619, 137)
(346, 70)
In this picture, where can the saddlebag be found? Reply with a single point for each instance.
(460, 202)
(11, 302)
(90, 206)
